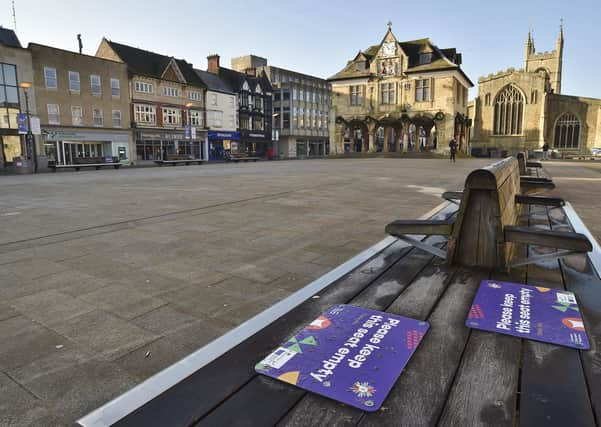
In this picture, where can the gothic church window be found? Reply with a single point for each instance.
(509, 111)
(567, 131)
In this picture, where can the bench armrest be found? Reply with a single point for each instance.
(452, 195)
(534, 165)
(539, 200)
(416, 226)
(548, 238)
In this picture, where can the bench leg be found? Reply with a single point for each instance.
(97, 168)
(116, 167)
(76, 169)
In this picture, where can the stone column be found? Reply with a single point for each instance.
(371, 130)
(386, 139)
(398, 138)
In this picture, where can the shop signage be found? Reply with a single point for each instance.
(350, 354)
(61, 135)
(187, 131)
(22, 123)
(256, 135)
(530, 312)
(214, 134)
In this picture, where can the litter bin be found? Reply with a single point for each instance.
(270, 153)
(22, 166)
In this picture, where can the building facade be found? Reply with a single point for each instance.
(398, 96)
(301, 109)
(167, 102)
(523, 109)
(15, 68)
(221, 103)
(83, 104)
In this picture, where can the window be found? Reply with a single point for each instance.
(145, 114)
(259, 102)
(301, 118)
(301, 94)
(95, 84)
(115, 88)
(53, 114)
(195, 118)
(144, 87)
(195, 95)
(74, 83)
(117, 118)
(285, 95)
(50, 78)
(356, 95)
(8, 85)
(509, 111)
(172, 116)
(257, 123)
(295, 117)
(294, 94)
(387, 93)
(76, 116)
(213, 99)
(286, 118)
(534, 96)
(422, 90)
(425, 58)
(487, 99)
(244, 99)
(244, 122)
(567, 131)
(171, 91)
(97, 116)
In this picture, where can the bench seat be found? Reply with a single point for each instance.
(78, 166)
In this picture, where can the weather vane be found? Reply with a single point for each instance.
(389, 24)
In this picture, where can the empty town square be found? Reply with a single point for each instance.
(110, 276)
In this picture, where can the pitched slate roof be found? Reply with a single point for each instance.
(146, 63)
(442, 59)
(236, 79)
(214, 82)
(9, 38)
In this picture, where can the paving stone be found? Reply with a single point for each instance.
(125, 302)
(163, 320)
(104, 335)
(50, 307)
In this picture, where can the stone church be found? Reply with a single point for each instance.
(522, 109)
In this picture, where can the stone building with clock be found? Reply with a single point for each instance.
(518, 110)
(399, 96)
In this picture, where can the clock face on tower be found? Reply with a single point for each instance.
(389, 48)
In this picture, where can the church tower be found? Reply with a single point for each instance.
(548, 62)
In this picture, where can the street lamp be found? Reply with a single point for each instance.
(29, 137)
(189, 126)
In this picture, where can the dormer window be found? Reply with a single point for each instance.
(360, 66)
(425, 58)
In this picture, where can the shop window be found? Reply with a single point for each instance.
(11, 144)
(50, 78)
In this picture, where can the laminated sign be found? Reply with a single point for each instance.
(350, 354)
(531, 312)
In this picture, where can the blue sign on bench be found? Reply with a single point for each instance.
(531, 312)
(350, 354)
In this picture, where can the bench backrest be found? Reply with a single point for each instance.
(177, 157)
(95, 160)
(487, 205)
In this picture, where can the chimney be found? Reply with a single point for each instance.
(251, 71)
(213, 64)
(80, 43)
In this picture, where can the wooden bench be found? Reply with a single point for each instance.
(486, 228)
(179, 159)
(89, 162)
(458, 376)
(242, 158)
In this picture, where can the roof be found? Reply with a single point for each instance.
(152, 64)
(236, 79)
(214, 82)
(9, 38)
(442, 59)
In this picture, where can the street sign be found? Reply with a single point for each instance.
(530, 312)
(350, 354)
(22, 123)
(187, 131)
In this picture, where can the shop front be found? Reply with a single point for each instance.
(255, 143)
(223, 144)
(158, 145)
(65, 146)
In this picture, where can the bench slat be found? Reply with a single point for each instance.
(539, 200)
(414, 226)
(549, 238)
(377, 296)
(553, 387)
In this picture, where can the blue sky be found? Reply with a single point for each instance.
(318, 37)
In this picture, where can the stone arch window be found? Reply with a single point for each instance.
(509, 111)
(567, 131)
(487, 99)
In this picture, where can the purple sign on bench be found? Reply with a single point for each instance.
(531, 312)
(350, 354)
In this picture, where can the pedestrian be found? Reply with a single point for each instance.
(453, 147)
(546, 151)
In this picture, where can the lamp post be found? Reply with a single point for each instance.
(189, 125)
(29, 139)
